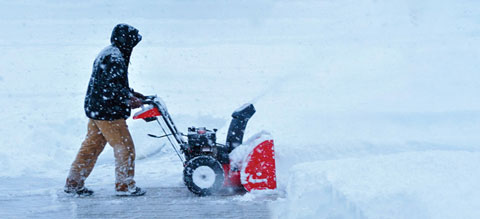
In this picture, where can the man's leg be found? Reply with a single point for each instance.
(117, 135)
(81, 168)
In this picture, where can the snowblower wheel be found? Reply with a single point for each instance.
(203, 175)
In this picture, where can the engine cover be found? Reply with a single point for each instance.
(201, 137)
(201, 141)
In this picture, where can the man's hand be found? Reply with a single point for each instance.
(135, 102)
(138, 95)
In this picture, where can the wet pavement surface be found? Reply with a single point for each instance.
(167, 202)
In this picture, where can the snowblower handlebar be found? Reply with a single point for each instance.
(155, 109)
(149, 99)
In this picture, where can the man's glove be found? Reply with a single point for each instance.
(135, 102)
(138, 95)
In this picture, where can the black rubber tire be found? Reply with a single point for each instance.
(203, 161)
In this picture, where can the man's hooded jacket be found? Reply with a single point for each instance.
(108, 91)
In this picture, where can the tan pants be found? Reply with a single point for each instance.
(99, 133)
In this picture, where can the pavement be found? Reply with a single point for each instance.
(163, 202)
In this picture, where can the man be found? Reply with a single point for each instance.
(108, 103)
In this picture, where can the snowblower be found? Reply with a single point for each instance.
(210, 166)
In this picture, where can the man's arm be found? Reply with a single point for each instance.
(135, 99)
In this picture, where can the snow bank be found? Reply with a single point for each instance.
(433, 184)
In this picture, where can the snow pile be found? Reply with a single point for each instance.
(432, 184)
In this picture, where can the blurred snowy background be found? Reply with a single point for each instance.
(373, 105)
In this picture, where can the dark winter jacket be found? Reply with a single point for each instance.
(108, 91)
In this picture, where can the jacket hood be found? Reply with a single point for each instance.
(125, 37)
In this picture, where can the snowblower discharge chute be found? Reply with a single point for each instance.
(210, 166)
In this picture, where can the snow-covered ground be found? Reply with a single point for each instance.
(372, 104)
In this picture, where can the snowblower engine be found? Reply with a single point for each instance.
(210, 166)
(201, 141)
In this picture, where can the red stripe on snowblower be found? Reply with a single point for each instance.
(147, 114)
(232, 178)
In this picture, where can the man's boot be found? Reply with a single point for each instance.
(124, 190)
(72, 187)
